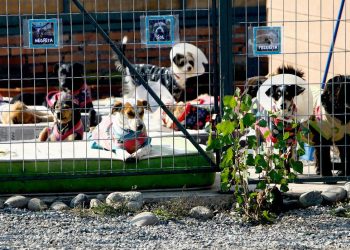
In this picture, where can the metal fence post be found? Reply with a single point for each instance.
(225, 48)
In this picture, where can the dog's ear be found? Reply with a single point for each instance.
(299, 90)
(117, 107)
(177, 58)
(271, 90)
(144, 104)
(78, 69)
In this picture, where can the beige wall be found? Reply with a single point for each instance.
(308, 29)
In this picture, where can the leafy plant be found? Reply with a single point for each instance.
(237, 160)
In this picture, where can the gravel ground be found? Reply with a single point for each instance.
(312, 228)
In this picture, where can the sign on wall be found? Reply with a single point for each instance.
(159, 30)
(266, 40)
(42, 33)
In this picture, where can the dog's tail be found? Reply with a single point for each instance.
(119, 63)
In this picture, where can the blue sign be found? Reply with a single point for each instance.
(160, 30)
(43, 33)
(267, 40)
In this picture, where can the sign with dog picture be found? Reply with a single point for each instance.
(267, 41)
(42, 33)
(159, 30)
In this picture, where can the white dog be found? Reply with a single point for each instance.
(168, 82)
(124, 129)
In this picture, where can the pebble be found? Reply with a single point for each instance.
(144, 219)
(312, 198)
(17, 201)
(59, 206)
(133, 200)
(79, 201)
(101, 197)
(309, 228)
(334, 194)
(347, 189)
(201, 212)
(36, 204)
(95, 203)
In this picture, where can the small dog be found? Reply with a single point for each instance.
(282, 100)
(330, 125)
(186, 61)
(19, 113)
(123, 129)
(67, 126)
(71, 81)
(160, 31)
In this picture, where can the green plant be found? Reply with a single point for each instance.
(237, 161)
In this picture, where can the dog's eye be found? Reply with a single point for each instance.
(191, 63)
(131, 114)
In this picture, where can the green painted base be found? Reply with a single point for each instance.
(106, 183)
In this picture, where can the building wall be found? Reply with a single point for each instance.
(308, 28)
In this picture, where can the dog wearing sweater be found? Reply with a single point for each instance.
(123, 129)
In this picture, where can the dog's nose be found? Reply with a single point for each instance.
(189, 68)
(139, 127)
(283, 105)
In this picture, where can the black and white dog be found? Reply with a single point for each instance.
(168, 83)
(284, 95)
(330, 125)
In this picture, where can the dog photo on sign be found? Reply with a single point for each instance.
(160, 29)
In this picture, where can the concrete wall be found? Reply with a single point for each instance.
(308, 28)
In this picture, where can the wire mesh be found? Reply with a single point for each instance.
(36, 75)
(309, 38)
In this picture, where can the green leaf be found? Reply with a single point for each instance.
(275, 176)
(297, 166)
(258, 169)
(286, 135)
(250, 160)
(261, 185)
(280, 126)
(266, 134)
(252, 141)
(227, 158)
(260, 161)
(230, 101)
(284, 187)
(239, 199)
(225, 127)
(249, 119)
(262, 123)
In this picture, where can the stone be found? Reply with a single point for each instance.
(312, 198)
(340, 211)
(79, 201)
(132, 200)
(59, 206)
(201, 212)
(144, 219)
(347, 189)
(16, 201)
(101, 197)
(36, 204)
(334, 194)
(95, 203)
(2, 203)
(291, 204)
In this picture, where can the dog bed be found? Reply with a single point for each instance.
(73, 166)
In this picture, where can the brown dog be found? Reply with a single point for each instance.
(67, 126)
(19, 113)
